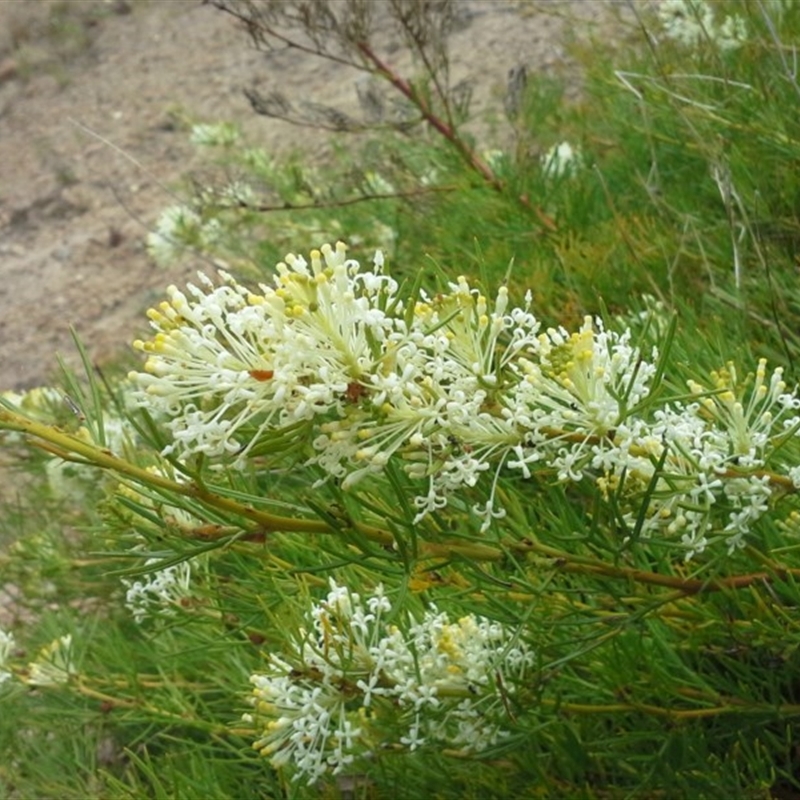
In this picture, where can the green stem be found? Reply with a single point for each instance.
(732, 707)
(66, 444)
(562, 561)
(447, 131)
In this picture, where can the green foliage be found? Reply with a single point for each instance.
(652, 674)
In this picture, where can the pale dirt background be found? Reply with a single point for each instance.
(75, 207)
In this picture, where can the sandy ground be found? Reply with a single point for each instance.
(89, 148)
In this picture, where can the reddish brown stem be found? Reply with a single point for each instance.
(583, 566)
(405, 88)
(266, 207)
(447, 130)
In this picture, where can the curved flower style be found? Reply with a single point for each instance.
(456, 389)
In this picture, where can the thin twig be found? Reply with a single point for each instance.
(287, 206)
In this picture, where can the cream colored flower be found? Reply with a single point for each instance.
(321, 709)
(53, 665)
(7, 645)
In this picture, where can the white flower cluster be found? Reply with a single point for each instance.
(53, 664)
(562, 160)
(713, 453)
(160, 592)
(455, 389)
(220, 134)
(178, 229)
(357, 678)
(166, 586)
(691, 22)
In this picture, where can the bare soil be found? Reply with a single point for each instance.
(90, 151)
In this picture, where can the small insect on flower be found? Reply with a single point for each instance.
(355, 391)
(73, 407)
(261, 374)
